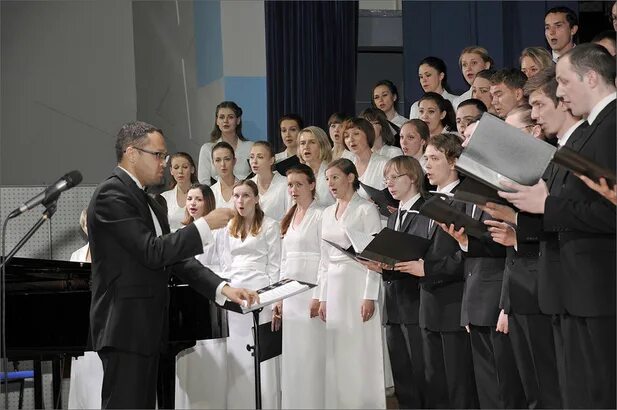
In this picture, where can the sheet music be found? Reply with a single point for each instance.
(280, 292)
(359, 240)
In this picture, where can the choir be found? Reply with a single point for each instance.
(522, 317)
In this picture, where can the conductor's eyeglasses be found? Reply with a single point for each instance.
(162, 156)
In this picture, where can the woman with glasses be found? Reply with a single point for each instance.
(535, 59)
(224, 160)
(520, 117)
(384, 138)
(433, 75)
(249, 249)
(437, 113)
(335, 130)
(359, 138)
(302, 382)
(184, 173)
(348, 299)
(201, 370)
(228, 128)
(385, 97)
(473, 59)
(289, 126)
(272, 185)
(314, 151)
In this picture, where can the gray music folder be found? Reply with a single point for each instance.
(498, 151)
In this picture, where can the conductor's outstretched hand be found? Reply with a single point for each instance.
(241, 296)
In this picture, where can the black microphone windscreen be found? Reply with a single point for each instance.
(73, 178)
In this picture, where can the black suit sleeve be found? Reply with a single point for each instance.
(197, 276)
(117, 213)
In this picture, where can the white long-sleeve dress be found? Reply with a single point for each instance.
(201, 371)
(373, 175)
(175, 212)
(303, 360)
(354, 352)
(275, 201)
(252, 264)
(87, 370)
(206, 170)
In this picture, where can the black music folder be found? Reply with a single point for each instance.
(283, 166)
(440, 211)
(382, 198)
(388, 246)
(270, 341)
(580, 164)
(498, 151)
(475, 192)
(270, 294)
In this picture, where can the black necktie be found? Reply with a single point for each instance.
(401, 217)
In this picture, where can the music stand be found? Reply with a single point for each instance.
(268, 295)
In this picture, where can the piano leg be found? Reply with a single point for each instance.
(56, 381)
(38, 384)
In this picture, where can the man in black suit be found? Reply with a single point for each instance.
(133, 255)
(447, 352)
(497, 378)
(584, 223)
(530, 295)
(404, 179)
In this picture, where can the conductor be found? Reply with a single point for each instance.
(133, 255)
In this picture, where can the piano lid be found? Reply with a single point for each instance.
(28, 270)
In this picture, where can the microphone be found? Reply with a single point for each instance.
(51, 193)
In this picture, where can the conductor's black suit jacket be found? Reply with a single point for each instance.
(131, 267)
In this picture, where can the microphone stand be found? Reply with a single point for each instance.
(50, 209)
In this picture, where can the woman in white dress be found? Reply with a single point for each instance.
(413, 137)
(437, 113)
(472, 60)
(87, 370)
(314, 151)
(249, 249)
(384, 138)
(201, 371)
(359, 138)
(348, 294)
(385, 97)
(335, 131)
(224, 160)
(289, 125)
(183, 173)
(272, 186)
(303, 361)
(228, 128)
(433, 76)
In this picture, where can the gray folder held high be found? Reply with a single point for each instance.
(498, 151)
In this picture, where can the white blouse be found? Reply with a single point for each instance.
(389, 151)
(218, 196)
(246, 262)
(206, 170)
(323, 196)
(373, 175)
(275, 201)
(175, 212)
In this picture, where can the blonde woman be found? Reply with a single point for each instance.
(314, 151)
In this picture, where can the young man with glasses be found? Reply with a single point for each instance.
(468, 111)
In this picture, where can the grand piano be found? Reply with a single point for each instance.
(47, 318)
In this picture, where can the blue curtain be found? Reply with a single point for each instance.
(444, 28)
(310, 60)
